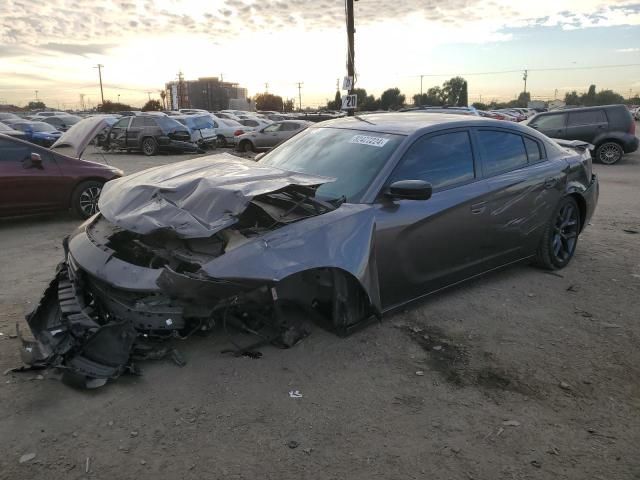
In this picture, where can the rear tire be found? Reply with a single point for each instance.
(246, 146)
(221, 141)
(84, 200)
(560, 237)
(609, 153)
(149, 146)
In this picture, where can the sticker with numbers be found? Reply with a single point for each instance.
(369, 140)
(349, 102)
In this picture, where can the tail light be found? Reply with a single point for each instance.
(238, 132)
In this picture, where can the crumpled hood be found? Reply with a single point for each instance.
(195, 198)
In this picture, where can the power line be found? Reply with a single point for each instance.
(552, 69)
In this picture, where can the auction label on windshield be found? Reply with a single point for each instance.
(369, 140)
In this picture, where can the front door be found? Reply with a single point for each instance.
(118, 133)
(429, 244)
(25, 187)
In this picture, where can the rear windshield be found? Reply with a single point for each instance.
(167, 123)
(199, 122)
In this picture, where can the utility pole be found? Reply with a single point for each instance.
(350, 49)
(421, 89)
(300, 94)
(100, 67)
(36, 95)
(266, 88)
(118, 98)
(148, 95)
(555, 94)
(524, 77)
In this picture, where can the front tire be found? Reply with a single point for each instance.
(560, 236)
(609, 153)
(149, 146)
(84, 200)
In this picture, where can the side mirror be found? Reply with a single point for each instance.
(34, 161)
(410, 190)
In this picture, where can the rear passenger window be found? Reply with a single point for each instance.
(137, 122)
(533, 150)
(149, 122)
(501, 152)
(591, 117)
(442, 160)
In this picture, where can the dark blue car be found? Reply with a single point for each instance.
(40, 133)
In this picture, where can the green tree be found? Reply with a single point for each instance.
(36, 105)
(452, 90)
(268, 101)
(289, 106)
(152, 106)
(589, 98)
(110, 107)
(607, 97)
(480, 106)
(369, 104)
(463, 101)
(336, 103)
(572, 98)
(523, 99)
(391, 99)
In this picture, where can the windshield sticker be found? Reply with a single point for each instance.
(369, 140)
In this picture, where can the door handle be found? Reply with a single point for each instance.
(478, 208)
(549, 182)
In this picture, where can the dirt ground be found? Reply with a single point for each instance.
(519, 375)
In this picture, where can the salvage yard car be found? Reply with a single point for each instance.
(611, 128)
(40, 133)
(34, 179)
(149, 134)
(348, 220)
(270, 136)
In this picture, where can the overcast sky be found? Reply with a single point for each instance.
(52, 46)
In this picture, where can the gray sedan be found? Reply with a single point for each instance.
(270, 136)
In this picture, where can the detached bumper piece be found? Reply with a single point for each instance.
(68, 337)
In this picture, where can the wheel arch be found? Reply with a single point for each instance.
(333, 293)
(582, 206)
(80, 181)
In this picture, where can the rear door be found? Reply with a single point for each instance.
(118, 133)
(553, 125)
(586, 125)
(423, 245)
(524, 187)
(25, 188)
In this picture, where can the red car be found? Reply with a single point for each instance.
(35, 179)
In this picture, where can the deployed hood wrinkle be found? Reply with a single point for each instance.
(195, 198)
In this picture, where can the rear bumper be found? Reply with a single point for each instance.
(590, 196)
(631, 145)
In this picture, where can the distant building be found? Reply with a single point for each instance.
(207, 93)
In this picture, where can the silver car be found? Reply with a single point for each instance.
(270, 136)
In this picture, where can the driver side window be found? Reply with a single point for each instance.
(122, 123)
(272, 128)
(442, 160)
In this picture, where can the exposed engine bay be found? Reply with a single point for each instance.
(122, 295)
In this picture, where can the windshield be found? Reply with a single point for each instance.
(43, 127)
(70, 119)
(352, 157)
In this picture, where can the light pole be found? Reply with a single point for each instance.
(118, 98)
(100, 67)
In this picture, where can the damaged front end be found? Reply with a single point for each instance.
(164, 261)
